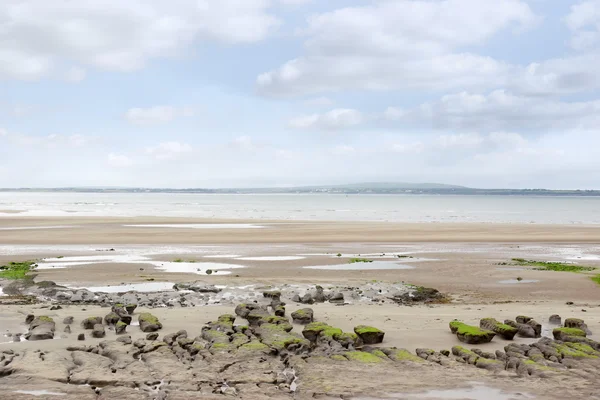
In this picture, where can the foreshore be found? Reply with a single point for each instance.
(472, 264)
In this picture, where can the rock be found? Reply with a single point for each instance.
(506, 331)
(120, 327)
(90, 322)
(296, 299)
(152, 336)
(29, 319)
(112, 318)
(313, 330)
(68, 320)
(525, 330)
(130, 308)
(369, 334)
(279, 311)
(577, 323)
(564, 333)
(471, 334)
(522, 319)
(303, 316)
(307, 299)
(555, 319)
(41, 328)
(81, 336)
(125, 339)
(67, 329)
(337, 298)
(537, 327)
(272, 294)
(98, 331)
(149, 323)
(198, 287)
(55, 308)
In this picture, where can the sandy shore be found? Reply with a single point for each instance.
(26, 230)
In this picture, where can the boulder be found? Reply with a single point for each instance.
(152, 336)
(369, 334)
(149, 323)
(578, 324)
(307, 299)
(29, 319)
(272, 294)
(41, 328)
(68, 320)
(522, 319)
(67, 329)
(319, 296)
(303, 316)
(98, 331)
(279, 311)
(81, 336)
(525, 330)
(112, 318)
(130, 308)
(120, 327)
(537, 327)
(505, 331)
(90, 322)
(337, 298)
(555, 319)
(471, 334)
(564, 333)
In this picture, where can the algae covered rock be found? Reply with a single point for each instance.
(303, 316)
(577, 323)
(369, 334)
(506, 331)
(149, 323)
(278, 339)
(472, 334)
(564, 333)
(120, 327)
(90, 322)
(112, 318)
(130, 308)
(312, 330)
(363, 357)
(41, 328)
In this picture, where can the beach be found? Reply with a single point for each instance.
(472, 264)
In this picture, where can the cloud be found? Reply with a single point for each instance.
(119, 160)
(156, 115)
(75, 74)
(399, 44)
(584, 22)
(336, 119)
(169, 150)
(319, 102)
(46, 141)
(39, 37)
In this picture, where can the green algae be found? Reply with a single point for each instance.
(363, 357)
(338, 357)
(363, 329)
(148, 318)
(570, 332)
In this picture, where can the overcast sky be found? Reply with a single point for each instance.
(218, 93)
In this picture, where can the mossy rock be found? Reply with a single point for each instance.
(303, 316)
(369, 334)
(112, 318)
(215, 336)
(312, 330)
(89, 323)
(505, 331)
(221, 348)
(398, 355)
(338, 357)
(149, 323)
(473, 335)
(454, 325)
(130, 308)
(283, 322)
(227, 319)
(363, 357)
(278, 339)
(523, 319)
(239, 339)
(564, 333)
(120, 327)
(576, 350)
(254, 347)
(272, 294)
(467, 355)
(347, 339)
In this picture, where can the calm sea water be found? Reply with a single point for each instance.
(398, 208)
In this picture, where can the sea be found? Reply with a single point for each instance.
(308, 207)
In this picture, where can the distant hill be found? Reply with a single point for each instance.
(398, 185)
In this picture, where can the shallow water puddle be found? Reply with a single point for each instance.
(272, 258)
(478, 392)
(359, 266)
(198, 226)
(200, 268)
(516, 281)
(39, 393)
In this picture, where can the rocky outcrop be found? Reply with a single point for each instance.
(578, 324)
(41, 328)
(565, 333)
(507, 332)
(471, 334)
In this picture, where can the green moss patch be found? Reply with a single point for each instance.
(17, 270)
(363, 357)
(359, 260)
(552, 266)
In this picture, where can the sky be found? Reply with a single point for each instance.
(245, 93)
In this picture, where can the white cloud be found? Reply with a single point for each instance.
(244, 143)
(319, 102)
(499, 110)
(75, 74)
(119, 160)
(338, 118)
(156, 115)
(584, 22)
(39, 36)
(343, 150)
(53, 140)
(169, 150)
(397, 45)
